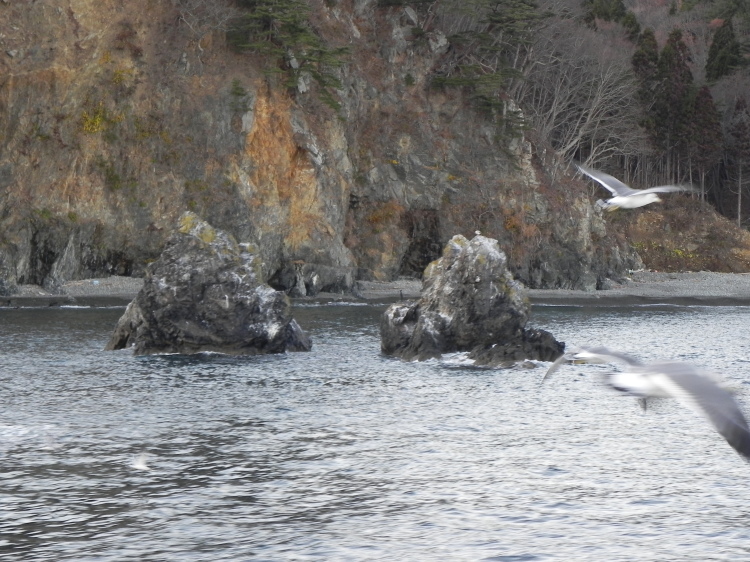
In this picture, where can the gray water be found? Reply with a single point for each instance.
(342, 454)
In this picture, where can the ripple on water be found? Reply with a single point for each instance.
(342, 454)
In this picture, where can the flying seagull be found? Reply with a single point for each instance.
(624, 196)
(685, 383)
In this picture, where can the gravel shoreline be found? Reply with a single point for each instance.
(642, 287)
(652, 287)
(102, 292)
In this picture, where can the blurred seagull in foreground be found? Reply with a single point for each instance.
(624, 196)
(687, 384)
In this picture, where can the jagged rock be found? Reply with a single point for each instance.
(469, 302)
(206, 293)
(534, 344)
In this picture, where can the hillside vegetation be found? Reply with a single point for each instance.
(652, 91)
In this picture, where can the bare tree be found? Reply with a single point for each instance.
(580, 93)
(204, 16)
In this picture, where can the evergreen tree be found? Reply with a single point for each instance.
(728, 9)
(724, 54)
(611, 10)
(704, 135)
(631, 25)
(512, 21)
(739, 148)
(646, 63)
(672, 101)
(488, 60)
(607, 10)
(279, 30)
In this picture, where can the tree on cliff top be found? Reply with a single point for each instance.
(608, 10)
(611, 10)
(490, 48)
(672, 105)
(279, 30)
(724, 54)
(646, 61)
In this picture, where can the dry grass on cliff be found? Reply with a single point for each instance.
(681, 234)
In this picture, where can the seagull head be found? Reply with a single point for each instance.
(594, 355)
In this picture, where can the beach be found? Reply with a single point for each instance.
(652, 287)
(641, 287)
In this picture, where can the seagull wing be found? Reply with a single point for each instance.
(605, 355)
(699, 393)
(555, 366)
(667, 189)
(591, 355)
(612, 184)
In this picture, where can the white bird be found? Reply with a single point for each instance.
(139, 462)
(624, 196)
(687, 384)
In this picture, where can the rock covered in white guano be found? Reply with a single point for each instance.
(205, 293)
(469, 302)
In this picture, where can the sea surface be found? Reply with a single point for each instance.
(344, 454)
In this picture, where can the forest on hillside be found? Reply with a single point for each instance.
(652, 91)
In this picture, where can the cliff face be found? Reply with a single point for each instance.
(115, 119)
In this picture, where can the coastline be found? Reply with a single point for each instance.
(641, 288)
(702, 288)
(115, 291)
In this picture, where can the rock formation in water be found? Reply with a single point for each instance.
(206, 293)
(469, 302)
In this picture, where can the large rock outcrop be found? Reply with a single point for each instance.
(116, 119)
(206, 293)
(469, 302)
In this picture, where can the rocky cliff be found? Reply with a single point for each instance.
(115, 119)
